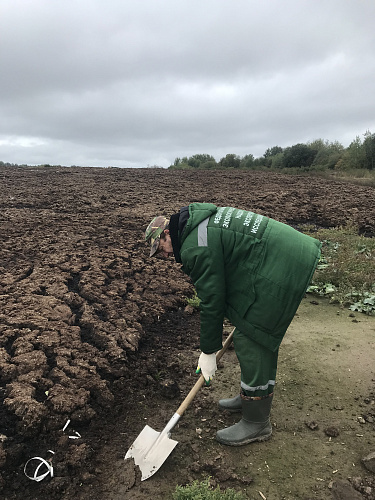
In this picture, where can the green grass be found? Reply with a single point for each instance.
(346, 271)
(203, 491)
(361, 177)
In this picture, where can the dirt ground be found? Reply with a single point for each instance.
(94, 333)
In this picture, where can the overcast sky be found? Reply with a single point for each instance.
(138, 83)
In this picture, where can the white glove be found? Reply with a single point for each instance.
(207, 366)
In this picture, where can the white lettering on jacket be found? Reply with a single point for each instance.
(256, 225)
(228, 217)
(248, 218)
(219, 215)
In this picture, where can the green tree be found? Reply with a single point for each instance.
(328, 153)
(196, 161)
(208, 164)
(260, 162)
(273, 151)
(269, 154)
(299, 155)
(354, 156)
(277, 160)
(369, 150)
(180, 163)
(230, 161)
(247, 161)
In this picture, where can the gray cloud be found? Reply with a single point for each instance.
(138, 83)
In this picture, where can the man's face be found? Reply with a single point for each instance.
(165, 249)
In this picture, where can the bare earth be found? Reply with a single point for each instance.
(94, 332)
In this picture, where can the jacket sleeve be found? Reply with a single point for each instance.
(206, 269)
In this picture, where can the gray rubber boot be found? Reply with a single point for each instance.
(231, 404)
(255, 424)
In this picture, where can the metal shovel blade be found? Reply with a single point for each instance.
(150, 450)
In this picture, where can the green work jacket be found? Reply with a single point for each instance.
(248, 268)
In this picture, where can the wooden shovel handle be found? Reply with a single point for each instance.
(200, 382)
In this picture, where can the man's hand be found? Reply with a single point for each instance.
(207, 366)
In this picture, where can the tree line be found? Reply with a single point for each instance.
(316, 155)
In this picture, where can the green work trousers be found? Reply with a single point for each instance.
(258, 365)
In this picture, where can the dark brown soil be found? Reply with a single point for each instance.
(94, 332)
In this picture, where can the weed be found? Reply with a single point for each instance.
(364, 303)
(159, 375)
(194, 301)
(346, 271)
(203, 491)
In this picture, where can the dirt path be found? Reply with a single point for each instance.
(326, 375)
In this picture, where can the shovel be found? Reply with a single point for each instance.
(151, 448)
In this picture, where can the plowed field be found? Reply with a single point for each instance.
(94, 332)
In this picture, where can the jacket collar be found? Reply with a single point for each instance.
(177, 225)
